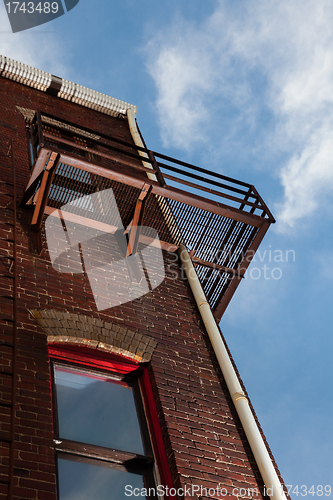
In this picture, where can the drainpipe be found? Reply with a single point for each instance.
(274, 488)
(138, 142)
(273, 485)
(169, 218)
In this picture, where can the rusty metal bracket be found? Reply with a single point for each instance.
(157, 170)
(133, 240)
(43, 192)
(211, 265)
(30, 191)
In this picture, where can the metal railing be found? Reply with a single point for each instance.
(48, 130)
(220, 220)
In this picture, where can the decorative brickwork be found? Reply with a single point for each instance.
(71, 328)
(28, 115)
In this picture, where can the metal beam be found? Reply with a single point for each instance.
(106, 228)
(166, 192)
(265, 207)
(156, 167)
(228, 270)
(226, 297)
(213, 192)
(30, 191)
(137, 220)
(44, 155)
(123, 161)
(44, 189)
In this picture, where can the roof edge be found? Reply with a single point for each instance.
(64, 89)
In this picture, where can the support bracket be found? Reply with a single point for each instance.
(136, 222)
(43, 192)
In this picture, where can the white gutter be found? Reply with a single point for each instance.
(273, 485)
(170, 220)
(138, 142)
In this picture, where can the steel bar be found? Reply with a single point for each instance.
(203, 170)
(220, 226)
(228, 260)
(44, 155)
(166, 192)
(106, 228)
(266, 209)
(224, 244)
(225, 269)
(229, 236)
(156, 154)
(223, 303)
(211, 191)
(30, 191)
(230, 256)
(156, 169)
(137, 220)
(43, 192)
(62, 181)
(109, 156)
(200, 178)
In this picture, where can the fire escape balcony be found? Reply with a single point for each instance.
(220, 220)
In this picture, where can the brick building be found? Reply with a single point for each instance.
(116, 265)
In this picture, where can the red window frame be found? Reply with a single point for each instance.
(88, 357)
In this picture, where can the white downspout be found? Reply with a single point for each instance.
(274, 488)
(138, 142)
(273, 485)
(170, 220)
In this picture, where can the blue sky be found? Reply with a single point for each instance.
(243, 88)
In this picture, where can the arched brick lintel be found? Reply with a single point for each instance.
(94, 344)
(77, 329)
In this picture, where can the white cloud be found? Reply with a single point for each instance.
(260, 56)
(308, 177)
(39, 47)
(180, 83)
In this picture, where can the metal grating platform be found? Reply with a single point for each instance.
(220, 220)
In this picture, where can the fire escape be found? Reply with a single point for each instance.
(220, 220)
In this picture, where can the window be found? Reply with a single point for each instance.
(102, 437)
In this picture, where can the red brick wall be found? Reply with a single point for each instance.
(204, 440)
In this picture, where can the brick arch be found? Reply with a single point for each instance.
(100, 346)
(69, 328)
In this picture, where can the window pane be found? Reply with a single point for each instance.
(80, 481)
(97, 410)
